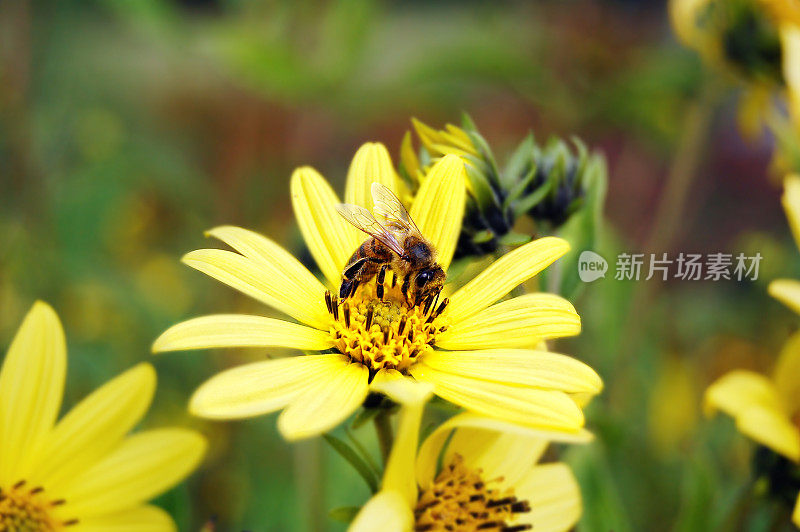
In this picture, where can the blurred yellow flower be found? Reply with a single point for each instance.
(671, 422)
(82, 472)
(787, 291)
(765, 409)
(755, 40)
(489, 480)
(383, 346)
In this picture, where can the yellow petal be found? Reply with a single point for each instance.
(431, 448)
(387, 512)
(790, 40)
(95, 426)
(521, 367)
(791, 197)
(268, 284)
(796, 513)
(787, 291)
(329, 402)
(438, 208)
(409, 158)
(496, 454)
(238, 330)
(399, 473)
(524, 405)
(262, 387)
(330, 239)
(684, 18)
(139, 519)
(771, 428)
(31, 387)
(503, 275)
(740, 390)
(400, 388)
(518, 322)
(371, 164)
(554, 496)
(787, 374)
(274, 258)
(143, 466)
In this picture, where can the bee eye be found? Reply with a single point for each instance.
(423, 278)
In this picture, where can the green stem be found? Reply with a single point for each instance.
(383, 428)
(670, 212)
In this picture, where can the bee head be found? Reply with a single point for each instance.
(428, 282)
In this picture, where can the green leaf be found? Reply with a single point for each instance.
(364, 416)
(514, 239)
(358, 463)
(520, 160)
(344, 514)
(483, 236)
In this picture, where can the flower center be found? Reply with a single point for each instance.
(460, 499)
(383, 333)
(24, 509)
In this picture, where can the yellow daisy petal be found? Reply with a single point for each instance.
(540, 369)
(400, 388)
(266, 284)
(428, 455)
(790, 40)
(791, 194)
(518, 322)
(326, 404)
(526, 406)
(496, 454)
(330, 239)
(142, 518)
(554, 496)
(262, 387)
(787, 374)
(371, 164)
(238, 330)
(95, 426)
(787, 291)
(771, 428)
(438, 208)
(399, 473)
(796, 513)
(387, 512)
(739, 391)
(503, 275)
(143, 466)
(409, 158)
(31, 387)
(274, 258)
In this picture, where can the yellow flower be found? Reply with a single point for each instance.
(390, 346)
(765, 409)
(82, 472)
(755, 40)
(787, 291)
(489, 479)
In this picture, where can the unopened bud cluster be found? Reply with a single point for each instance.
(546, 182)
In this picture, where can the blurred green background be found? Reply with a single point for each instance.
(128, 128)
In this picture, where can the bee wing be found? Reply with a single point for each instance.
(390, 210)
(362, 219)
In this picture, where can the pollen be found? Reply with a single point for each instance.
(461, 499)
(28, 509)
(384, 333)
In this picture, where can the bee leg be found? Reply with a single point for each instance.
(350, 277)
(406, 283)
(379, 288)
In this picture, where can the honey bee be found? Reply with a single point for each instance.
(395, 242)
